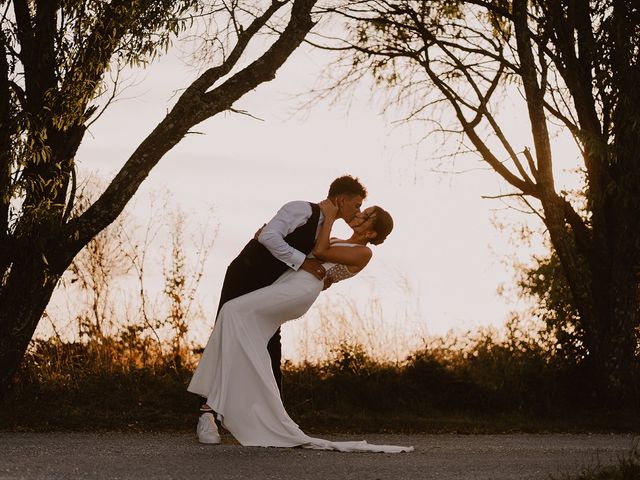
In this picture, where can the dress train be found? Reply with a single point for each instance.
(235, 375)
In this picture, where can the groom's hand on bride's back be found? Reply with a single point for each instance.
(314, 267)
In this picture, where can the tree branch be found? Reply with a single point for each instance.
(24, 27)
(90, 62)
(5, 153)
(535, 98)
(469, 130)
(578, 77)
(581, 232)
(212, 75)
(192, 107)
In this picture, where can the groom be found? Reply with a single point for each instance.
(284, 243)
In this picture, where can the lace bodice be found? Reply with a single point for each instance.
(337, 271)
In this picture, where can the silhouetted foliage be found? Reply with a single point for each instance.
(547, 283)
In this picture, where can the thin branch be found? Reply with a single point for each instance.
(469, 130)
(212, 75)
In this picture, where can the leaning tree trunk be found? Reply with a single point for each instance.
(29, 275)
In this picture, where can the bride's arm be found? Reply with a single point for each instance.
(329, 211)
(356, 257)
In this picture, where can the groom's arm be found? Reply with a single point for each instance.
(288, 218)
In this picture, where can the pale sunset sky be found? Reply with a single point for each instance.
(441, 267)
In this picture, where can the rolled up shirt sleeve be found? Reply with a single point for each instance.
(288, 218)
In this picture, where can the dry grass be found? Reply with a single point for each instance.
(131, 381)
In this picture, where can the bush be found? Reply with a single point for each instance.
(480, 384)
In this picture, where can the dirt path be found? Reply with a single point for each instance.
(179, 456)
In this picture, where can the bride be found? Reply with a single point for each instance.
(235, 374)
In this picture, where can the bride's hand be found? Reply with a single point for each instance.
(329, 210)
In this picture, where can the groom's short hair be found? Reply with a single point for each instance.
(347, 185)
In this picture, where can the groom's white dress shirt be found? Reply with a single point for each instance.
(289, 217)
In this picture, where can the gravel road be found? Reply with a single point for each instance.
(179, 456)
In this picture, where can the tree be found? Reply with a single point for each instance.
(575, 65)
(56, 55)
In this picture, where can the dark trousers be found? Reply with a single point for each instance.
(248, 272)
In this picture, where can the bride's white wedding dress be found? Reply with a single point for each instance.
(235, 375)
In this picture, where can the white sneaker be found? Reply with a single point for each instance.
(207, 429)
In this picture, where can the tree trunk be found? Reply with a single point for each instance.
(613, 336)
(599, 270)
(23, 299)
